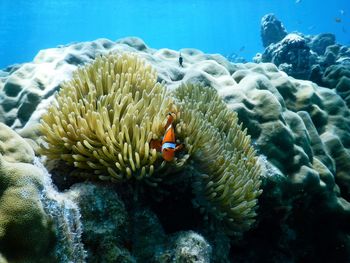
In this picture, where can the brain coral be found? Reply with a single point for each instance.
(105, 117)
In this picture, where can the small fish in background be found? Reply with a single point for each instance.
(338, 20)
(297, 1)
(242, 48)
(342, 12)
(344, 30)
(181, 60)
(311, 27)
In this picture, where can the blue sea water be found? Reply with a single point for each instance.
(214, 26)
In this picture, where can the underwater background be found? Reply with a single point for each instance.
(174, 131)
(225, 27)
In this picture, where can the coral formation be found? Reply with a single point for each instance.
(36, 223)
(338, 78)
(320, 42)
(65, 220)
(272, 30)
(26, 233)
(301, 128)
(105, 221)
(106, 116)
(317, 58)
(24, 87)
(291, 54)
(185, 247)
(158, 247)
(120, 232)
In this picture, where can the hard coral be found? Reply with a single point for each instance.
(26, 233)
(106, 116)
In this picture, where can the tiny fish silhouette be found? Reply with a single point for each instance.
(338, 20)
(181, 60)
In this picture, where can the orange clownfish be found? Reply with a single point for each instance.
(168, 145)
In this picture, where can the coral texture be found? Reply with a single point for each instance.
(105, 222)
(315, 57)
(26, 234)
(272, 30)
(185, 247)
(338, 78)
(36, 223)
(291, 54)
(301, 128)
(65, 220)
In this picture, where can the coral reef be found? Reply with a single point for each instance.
(317, 58)
(120, 232)
(158, 247)
(301, 128)
(24, 87)
(272, 30)
(105, 221)
(28, 230)
(65, 218)
(22, 214)
(320, 42)
(105, 124)
(291, 54)
(296, 124)
(185, 247)
(332, 67)
(338, 78)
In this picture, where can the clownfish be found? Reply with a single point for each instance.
(168, 145)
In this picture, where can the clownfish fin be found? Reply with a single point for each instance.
(156, 144)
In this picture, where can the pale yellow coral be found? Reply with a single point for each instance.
(104, 118)
(228, 183)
